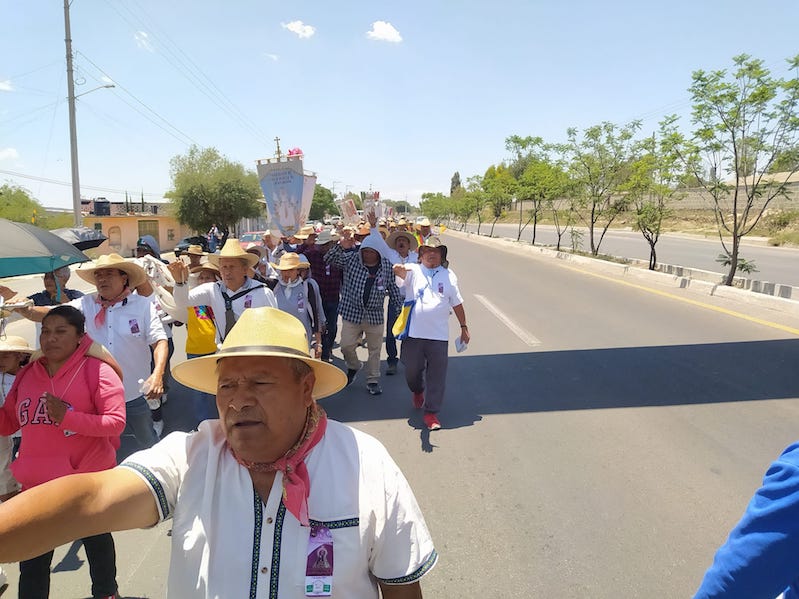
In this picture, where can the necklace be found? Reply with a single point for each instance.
(69, 384)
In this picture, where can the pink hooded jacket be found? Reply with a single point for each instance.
(87, 438)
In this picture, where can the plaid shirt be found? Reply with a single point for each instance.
(327, 276)
(352, 308)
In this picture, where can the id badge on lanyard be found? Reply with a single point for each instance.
(319, 565)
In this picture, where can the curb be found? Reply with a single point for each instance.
(755, 293)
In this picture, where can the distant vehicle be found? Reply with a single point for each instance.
(246, 239)
(334, 220)
(183, 245)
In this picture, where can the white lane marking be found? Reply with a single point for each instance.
(521, 333)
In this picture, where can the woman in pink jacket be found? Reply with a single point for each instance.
(70, 406)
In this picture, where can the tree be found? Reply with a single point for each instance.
(599, 165)
(786, 161)
(17, 204)
(435, 206)
(541, 183)
(746, 121)
(323, 203)
(476, 196)
(208, 188)
(455, 183)
(500, 186)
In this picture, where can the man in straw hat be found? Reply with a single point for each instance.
(272, 498)
(230, 296)
(422, 229)
(296, 297)
(425, 350)
(127, 324)
(367, 280)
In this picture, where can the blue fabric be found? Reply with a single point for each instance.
(149, 241)
(761, 555)
(43, 298)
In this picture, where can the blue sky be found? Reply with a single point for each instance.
(396, 95)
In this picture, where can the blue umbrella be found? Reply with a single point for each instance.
(28, 250)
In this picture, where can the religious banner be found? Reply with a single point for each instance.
(349, 211)
(288, 191)
(372, 203)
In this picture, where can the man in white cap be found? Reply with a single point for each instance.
(230, 296)
(127, 324)
(273, 499)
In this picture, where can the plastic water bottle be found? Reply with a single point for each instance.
(144, 389)
(460, 345)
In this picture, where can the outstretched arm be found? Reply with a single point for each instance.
(73, 507)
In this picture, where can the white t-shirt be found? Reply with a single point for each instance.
(434, 296)
(131, 327)
(227, 543)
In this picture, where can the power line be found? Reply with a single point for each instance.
(69, 184)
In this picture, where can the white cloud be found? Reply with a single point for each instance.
(301, 29)
(8, 154)
(273, 57)
(5, 86)
(143, 41)
(384, 31)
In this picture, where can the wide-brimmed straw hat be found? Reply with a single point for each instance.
(434, 243)
(256, 247)
(326, 236)
(136, 274)
(363, 229)
(196, 250)
(422, 222)
(207, 266)
(305, 232)
(261, 332)
(232, 249)
(12, 343)
(391, 240)
(290, 260)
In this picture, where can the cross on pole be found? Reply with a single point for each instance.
(277, 153)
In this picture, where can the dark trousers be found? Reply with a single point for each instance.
(34, 574)
(391, 342)
(425, 362)
(329, 337)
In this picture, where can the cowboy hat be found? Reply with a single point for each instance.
(256, 247)
(423, 221)
(232, 249)
(12, 343)
(363, 229)
(136, 274)
(391, 241)
(207, 266)
(261, 332)
(305, 232)
(196, 250)
(289, 261)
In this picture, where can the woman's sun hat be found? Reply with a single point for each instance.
(261, 332)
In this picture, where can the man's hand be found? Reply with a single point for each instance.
(400, 270)
(156, 382)
(372, 217)
(179, 271)
(7, 293)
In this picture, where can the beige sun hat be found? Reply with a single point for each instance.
(391, 240)
(206, 266)
(136, 274)
(305, 232)
(13, 343)
(290, 260)
(423, 222)
(363, 229)
(256, 247)
(261, 332)
(232, 249)
(196, 250)
(326, 236)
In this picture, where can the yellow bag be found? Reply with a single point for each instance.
(402, 326)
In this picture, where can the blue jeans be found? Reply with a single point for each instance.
(329, 338)
(203, 405)
(391, 342)
(139, 422)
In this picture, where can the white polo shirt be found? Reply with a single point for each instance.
(130, 328)
(434, 296)
(210, 294)
(227, 543)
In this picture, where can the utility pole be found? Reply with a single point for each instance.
(73, 134)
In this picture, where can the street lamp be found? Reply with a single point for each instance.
(73, 134)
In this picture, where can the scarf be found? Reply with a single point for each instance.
(99, 318)
(296, 483)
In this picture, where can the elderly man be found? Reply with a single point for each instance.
(230, 296)
(423, 230)
(425, 350)
(128, 326)
(367, 279)
(273, 499)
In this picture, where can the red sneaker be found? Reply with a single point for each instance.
(418, 400)
(431, 421)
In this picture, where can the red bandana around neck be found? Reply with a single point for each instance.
(296, 483)
(99, 318)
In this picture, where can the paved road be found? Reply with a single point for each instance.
(774, 264)
(599, 439)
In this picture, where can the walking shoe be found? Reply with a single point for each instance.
(418, 400)
(431, 421)
(374, 388)
(392, 368)
(351, 372)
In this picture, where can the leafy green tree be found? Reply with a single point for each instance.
(356, 198)
(599, 166)
(787, 161)
(455, 183)
(500, 187)
(746, 103)
(541, 183)
(323, 203)
(210, 189)
(17, 204)
(477, 198)
(436, 206)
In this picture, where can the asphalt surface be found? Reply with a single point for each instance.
(600, 438)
